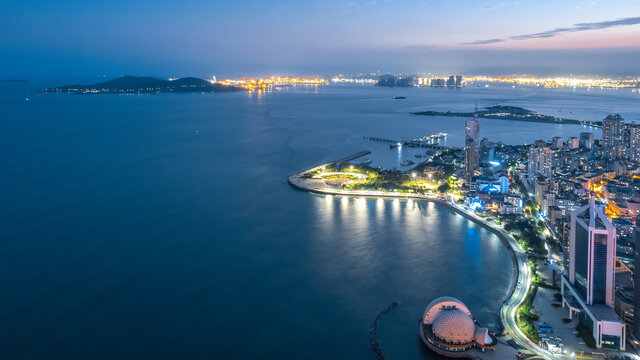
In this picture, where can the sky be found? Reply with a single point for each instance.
(255, 38)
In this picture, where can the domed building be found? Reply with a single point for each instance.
(447, 328)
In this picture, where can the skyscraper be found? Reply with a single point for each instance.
(613, 136)
(540, 158)
(472, 146)
(592, 255)
(636, 276)
(588, 288)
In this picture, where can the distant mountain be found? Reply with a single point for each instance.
(144, 84)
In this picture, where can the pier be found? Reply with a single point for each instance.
(409, 143)
(350, 157)
(353, 157)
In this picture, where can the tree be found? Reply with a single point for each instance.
(443, 188)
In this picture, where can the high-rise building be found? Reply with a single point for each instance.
(472, 146)
(487, 150)
(437, 82)
(458, 81)
(548, 200)
(557, 142)
(573, 143)
(633, 150)
(539, 162)
(586, 140)
(636, 276)
(588, 289)
(451, 82)
(541, 186)
(613, 136)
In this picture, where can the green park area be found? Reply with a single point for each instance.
(355, 177)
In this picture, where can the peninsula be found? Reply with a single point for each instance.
(145, 85)
(503, 112)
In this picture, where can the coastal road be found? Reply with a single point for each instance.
(509, 309)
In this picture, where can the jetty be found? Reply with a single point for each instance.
(409, 143)
(349, 158)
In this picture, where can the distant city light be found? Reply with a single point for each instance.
(270, 82)
(559, 81)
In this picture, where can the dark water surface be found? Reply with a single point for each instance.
(162, 226)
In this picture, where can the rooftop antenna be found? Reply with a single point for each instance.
(475, 113)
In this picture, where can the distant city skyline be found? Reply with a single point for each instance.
(319, 37)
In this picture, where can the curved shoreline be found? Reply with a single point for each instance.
(510, 302)
(297, 182)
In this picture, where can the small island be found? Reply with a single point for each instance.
(145, 85)
(503, 112)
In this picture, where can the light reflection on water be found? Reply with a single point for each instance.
(411, 251)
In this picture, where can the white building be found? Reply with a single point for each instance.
(633, 151)
(500, 185)
(573, 143)
(557, 142)
(539, 162)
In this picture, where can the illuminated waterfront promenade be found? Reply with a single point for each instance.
(518, 290)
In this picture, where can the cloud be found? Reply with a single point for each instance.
(488, 41)
(552, 33)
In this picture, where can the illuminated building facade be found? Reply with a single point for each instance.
(633, 149)
(636, 275)
(613, 136)
(573, 143)
(472, 146)
(501, 185)
(588, 289)
(448, 328)
(540, 158)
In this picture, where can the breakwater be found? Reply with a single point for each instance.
(373, 335)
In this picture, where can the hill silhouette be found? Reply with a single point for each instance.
(144, 84)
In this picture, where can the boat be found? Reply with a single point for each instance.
(399, 97)
(406, 163)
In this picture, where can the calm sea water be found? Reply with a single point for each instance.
(162, 226)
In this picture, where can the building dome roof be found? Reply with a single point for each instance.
(454, 326)
(441, 304)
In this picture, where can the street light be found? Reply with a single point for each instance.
(413, 175)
